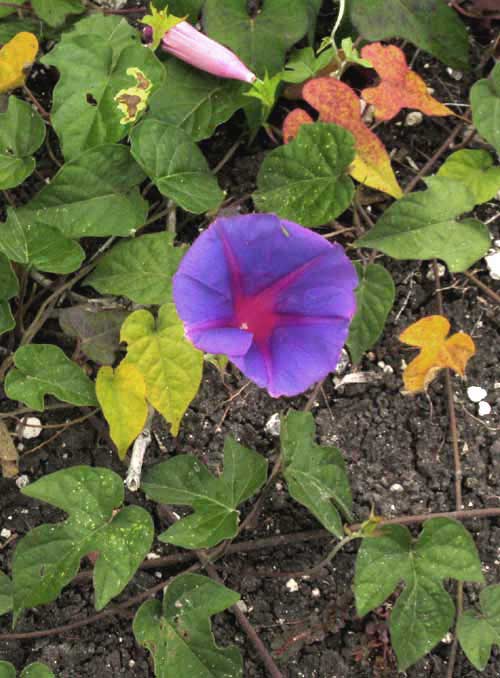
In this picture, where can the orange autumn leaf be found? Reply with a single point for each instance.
(16, 57)
(438, 351)
(293, 122)
(399, 86)
(336, 102)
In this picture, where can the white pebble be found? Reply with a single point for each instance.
(413, 119)
(31, 427)
(397, 488)
(386, 368)
(292, 586)
(316, 593)
(448, 638)
(476, 394)
(152, 556)
(5, 533)
(484, 408)
(456, 75)
(273, 425)
(493, 264)
(22, 481)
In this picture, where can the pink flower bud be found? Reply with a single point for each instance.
(192, 46)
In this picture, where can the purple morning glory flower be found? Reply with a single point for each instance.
(275, 297)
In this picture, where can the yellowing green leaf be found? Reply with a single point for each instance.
(15, 58)
(122, 396)
(170, 365)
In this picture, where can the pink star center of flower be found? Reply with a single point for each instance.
(256, 315)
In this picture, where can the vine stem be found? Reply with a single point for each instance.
(176, 559)
(251, 519)
(458, 473)
(491, 293)
(36, 103)
(241, 547)
(338, 547)
(434, 158)
(252, 634)
(110, 612)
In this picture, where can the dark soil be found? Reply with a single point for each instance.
(397, 448)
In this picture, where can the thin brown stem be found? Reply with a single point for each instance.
(457, 463)
(462, 514)
(251, 519)
(227, 157)
(110, 612)
(251, 633)
(487, 290)
(45, 114)
(433, 160)
(177, 559)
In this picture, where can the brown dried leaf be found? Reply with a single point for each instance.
(9, 457)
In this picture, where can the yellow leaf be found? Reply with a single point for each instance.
(16, 57)
(122, 396)
(437, 351)
(170, 364)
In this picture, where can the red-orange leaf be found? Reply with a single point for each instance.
(437, 351)
(336, 102)
(293, 122)
(399, 86)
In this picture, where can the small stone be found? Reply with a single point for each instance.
(31, 427)
(456, 75)
(22, 481)
(152, 556)
(387, 369)
(316, 593)
(413, 119)
(273, 425)
(292, 586)
(448, 638)
(397, 488)
(5, 533)
(131, 663)
(484, 408)
(493, 264)
(476, 394)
